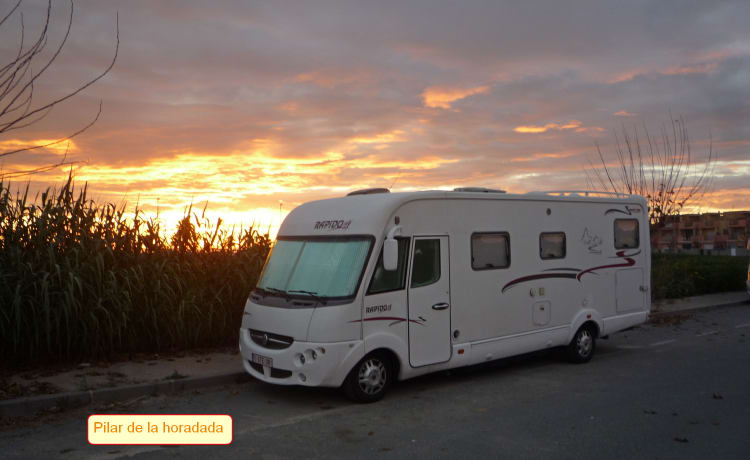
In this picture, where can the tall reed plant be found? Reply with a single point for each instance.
(82, 280)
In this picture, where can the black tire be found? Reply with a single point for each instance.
(581, 349)
(369, 380)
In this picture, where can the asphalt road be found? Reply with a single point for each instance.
(680, 389)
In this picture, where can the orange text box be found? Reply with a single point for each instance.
(159, 429)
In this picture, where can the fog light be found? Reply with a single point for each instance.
(314, 354)
(302, 359)
(302, 377)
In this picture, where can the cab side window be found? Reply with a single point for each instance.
(385, 281)
(426, 268)
(626, 234)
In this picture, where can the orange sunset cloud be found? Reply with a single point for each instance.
(442, 98)
(243, 107)
(573, 124)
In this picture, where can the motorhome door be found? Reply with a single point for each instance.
(429, 301)
(630, 279)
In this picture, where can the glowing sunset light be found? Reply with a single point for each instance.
(52, 146)
(244, 105)
(264, 220)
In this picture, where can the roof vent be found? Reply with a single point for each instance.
(478, 190)
(368, 191)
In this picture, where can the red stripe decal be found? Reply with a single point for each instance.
(510, 284)
(629, 263)
(388, 318)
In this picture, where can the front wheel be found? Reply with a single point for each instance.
(581, 348)
(369, 380)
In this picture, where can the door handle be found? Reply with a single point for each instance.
(440, 306)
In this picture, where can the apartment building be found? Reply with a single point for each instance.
(710, 233)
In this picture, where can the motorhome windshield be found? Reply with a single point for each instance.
(316, 267)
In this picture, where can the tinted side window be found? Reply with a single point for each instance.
(384, 281)
(490, 250)
(552, 245)
(626, 234)
(426, 264)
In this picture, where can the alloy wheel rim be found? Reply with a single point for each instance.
(585, 343)
(372, 376)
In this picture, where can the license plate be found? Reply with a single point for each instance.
(262, 360)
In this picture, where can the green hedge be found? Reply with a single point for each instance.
(676, 275)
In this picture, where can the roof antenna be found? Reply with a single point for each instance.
(395, 180)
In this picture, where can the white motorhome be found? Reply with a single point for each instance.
(365, 289)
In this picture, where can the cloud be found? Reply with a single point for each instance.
(380, 138)
(534, 129)
(442, 97)
(243, 104)
(47, 146)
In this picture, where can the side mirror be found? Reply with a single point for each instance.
(390, 254)
(390, 249)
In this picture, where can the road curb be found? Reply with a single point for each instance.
(734, 303)
(33, 404)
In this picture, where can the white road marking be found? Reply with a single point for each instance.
(663, 342)
(707, 333)
(739, 326)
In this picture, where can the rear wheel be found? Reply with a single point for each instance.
(369, 380)
(581, 348)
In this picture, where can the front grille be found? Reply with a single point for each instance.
(270, 340)
(280, 373)
(275, 373)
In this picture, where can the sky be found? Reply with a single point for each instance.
(257, 107)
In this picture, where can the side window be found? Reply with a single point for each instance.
(490, 250)
(384, 281)
(626, 234)
(426, 264)
(552, 245)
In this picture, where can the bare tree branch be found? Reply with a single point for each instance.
(26, 172)
(18, 80)
(664, 172)
(10, 13)
(58, 141)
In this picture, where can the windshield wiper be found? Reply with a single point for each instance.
(314, 295)
(272, 290)
(261, 291)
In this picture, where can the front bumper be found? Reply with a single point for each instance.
(330, 366)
